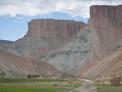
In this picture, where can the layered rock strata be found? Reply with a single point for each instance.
(46, 35)
(107, 24)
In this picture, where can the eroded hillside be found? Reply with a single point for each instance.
(73, 47)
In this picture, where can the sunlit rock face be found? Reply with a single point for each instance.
(53, 41)
(45, 35)
(72, 47)
(73, 55)
(107, 23)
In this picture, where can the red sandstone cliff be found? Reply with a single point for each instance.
(107, 23)
(45, 35)
(50, 28)
(62, 44)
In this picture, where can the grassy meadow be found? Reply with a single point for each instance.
(46, 85)
(109, 89)
(34, 85)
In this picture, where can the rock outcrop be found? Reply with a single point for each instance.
(72, 47)
(107, 24)
(74, 54)
(46, 35)
(109, 65)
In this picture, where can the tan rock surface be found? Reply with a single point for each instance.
(46, 35)
(18, 67)
(107, 23)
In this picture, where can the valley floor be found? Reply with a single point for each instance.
(10, 85)
(109, 89)
(32, 85)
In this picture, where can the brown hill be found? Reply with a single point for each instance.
(108, 66)
(73, 48)
(18, 67)
(46, 35)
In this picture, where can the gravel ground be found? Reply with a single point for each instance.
(87, 86)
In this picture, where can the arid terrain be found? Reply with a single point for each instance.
(66, 50)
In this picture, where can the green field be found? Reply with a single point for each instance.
(109, 89)
(23, 89)
(45, 85)
(33, 85)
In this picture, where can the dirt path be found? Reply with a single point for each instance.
(87, 86)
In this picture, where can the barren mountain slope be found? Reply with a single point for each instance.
(107, 24)
(73, 48)
(109, 65)
(18, 67)
(45, 35)
(73, 55)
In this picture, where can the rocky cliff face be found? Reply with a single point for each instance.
(70, 46)
(46, 35)
(107, 24)
(74, 54)
(50, 28)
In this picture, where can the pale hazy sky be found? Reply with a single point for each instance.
(37, 7)
(14, 14)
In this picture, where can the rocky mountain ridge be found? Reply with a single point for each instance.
(46, 35)
(74, 47)
(107, 24)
